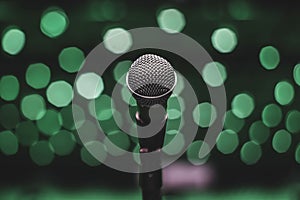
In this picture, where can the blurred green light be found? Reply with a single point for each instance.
(271, 115)
(99, 150)
(9, 87)
(101, 106)
(193, 152)
(71, 59)
(179, 85)
(59, 93)
(63, 143)
(297, 154)
(50, 123)
(67, 114)
(224, 40)
(204, 114)
(232, 122)
(242, 105)
(259, 132)
(8, 143)
(117, 143)
(227, 141)
(9, 116)
(292, 122)
(88, 132)
(173, 144)
(296, 74)
(38, 75)
(41, 153)
(117, 40)
(13, 41)
(89, 85)
(33, 106)
(240, 10)
(284, 93)
(171, 20)
(173, 114)
(120, 70)
(214, 74)
(269, 57)
(127, 96)
(282, 141)
(27, 133)
(54, 22)
(250, 153)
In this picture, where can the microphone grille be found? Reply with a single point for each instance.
(151, 76)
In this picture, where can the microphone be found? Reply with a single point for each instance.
(151, 80)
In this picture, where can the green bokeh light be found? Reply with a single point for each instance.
(63, 143)
(227, 141)
(259, 132)
(33, 106)
(67, 114)
(174, 143)
(8, 143)
(9, 87)
(250, 153)
(59, 93)
(27, 133)
(204, 114)
(284, 93)
(214, 74)
(50, 123)
(100, 153)
(117, 40)
(117, 143)
(127, 96)
(41, 153)
(242, 105)
(232, 122)
(271, 115)
(296, 74)
(38, 75)
(9, 116)
(297, 154)
(71, 59)
(240, 10)
(120, 70)
(193, 152)
(282, 141)
(54, 22)
(13, 41)
(102, 107)
(88, 132)
(269, 57)
(171, 20)
(89, 85)
(292, 121)
(224, 40)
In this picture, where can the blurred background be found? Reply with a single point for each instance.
(254, 45)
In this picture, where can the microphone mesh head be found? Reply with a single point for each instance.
(150, 77)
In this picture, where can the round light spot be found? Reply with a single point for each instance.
(269, 57)
(227, 142)
(214, 74)
(120, 70)
(171, 20)
(13, 41)
(117, 40)
(67, 114)
(297, 154)
(27, 133)
(259, 132)
(93, 160)
(9, 116)
(224, 40)
(250, 153)
(54, 22)
(232, 122)
(173, 144)
(282, 141)
(292, 121)
(204, 114)
(8, 143)
(33, 106)
(242, 105)
(38, 75)
(9, 87)
(117, 143)
(102, 109)
(50, 123)
(284, 93)
(271, 115)
(71, 59)
(193, 152)
(63, 143)
(42, 153)
(296, 74)
(59, 93)
(89, 85)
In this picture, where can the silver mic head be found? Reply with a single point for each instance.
(151, 79)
